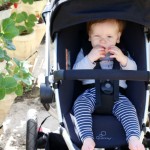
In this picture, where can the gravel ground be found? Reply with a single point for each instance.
(14, 127)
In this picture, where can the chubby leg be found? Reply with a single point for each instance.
(126, 114)
(83, 108)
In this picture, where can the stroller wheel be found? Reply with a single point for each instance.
(31, 130)
(46, 93)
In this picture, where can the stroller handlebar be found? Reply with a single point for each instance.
(102, 75)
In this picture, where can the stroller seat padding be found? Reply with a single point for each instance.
(106, 134)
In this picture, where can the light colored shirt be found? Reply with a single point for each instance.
(82, 62)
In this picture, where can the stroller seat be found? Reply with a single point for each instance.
(108, 132)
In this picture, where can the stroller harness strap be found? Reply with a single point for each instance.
(107, 92)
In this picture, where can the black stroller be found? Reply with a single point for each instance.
(66, 26)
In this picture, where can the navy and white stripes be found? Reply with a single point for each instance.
(83, 108)
(123, 109)
(126, 114)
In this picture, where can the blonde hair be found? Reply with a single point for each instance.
(121, 24)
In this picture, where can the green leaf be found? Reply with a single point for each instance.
(14, 1)
(2, 53)
(21, 17)
(29, 30)
(11, 33)
(30, 24)
(8, 28)
(7, 58)
(28, 1)
(25, 1)
(32, 18)
(21, 29)
(25, 15)
(2, 93)
(7, 23)
(10, 46)
(18, 77)
(10, 82)
(19, 90)
(27, 81)
(17, 61)
(16, 70)
(9, 67)
(2, 82)
(26, 22)
(1, 34)
(10, 90)
(13, 15)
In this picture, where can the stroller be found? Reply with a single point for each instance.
(66, 27)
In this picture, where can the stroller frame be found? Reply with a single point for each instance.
(53, 75)
(62, 130)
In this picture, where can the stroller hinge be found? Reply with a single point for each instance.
(56, 85)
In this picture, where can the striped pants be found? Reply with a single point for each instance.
(123, 109)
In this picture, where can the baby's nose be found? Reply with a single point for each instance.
(102, 40)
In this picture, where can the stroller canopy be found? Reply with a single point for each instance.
(65, 13)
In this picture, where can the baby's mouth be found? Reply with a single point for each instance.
(103, 47)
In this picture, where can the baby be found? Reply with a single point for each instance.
(104, 35)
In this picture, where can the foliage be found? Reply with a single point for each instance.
(24, 22)
(15, 75)
(28, 1)
(2, 2)
(8, 31)
(5, 4)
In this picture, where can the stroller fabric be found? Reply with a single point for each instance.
(79, 11)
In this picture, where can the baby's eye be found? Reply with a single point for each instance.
(96, 36)
(109, 37)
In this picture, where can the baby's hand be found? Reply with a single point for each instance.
(118, 55)
(96, 53)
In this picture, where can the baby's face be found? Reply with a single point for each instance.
(104, 34)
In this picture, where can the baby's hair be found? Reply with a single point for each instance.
(121, 23)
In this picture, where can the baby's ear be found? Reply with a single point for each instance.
(89, 38)
(118, 38)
